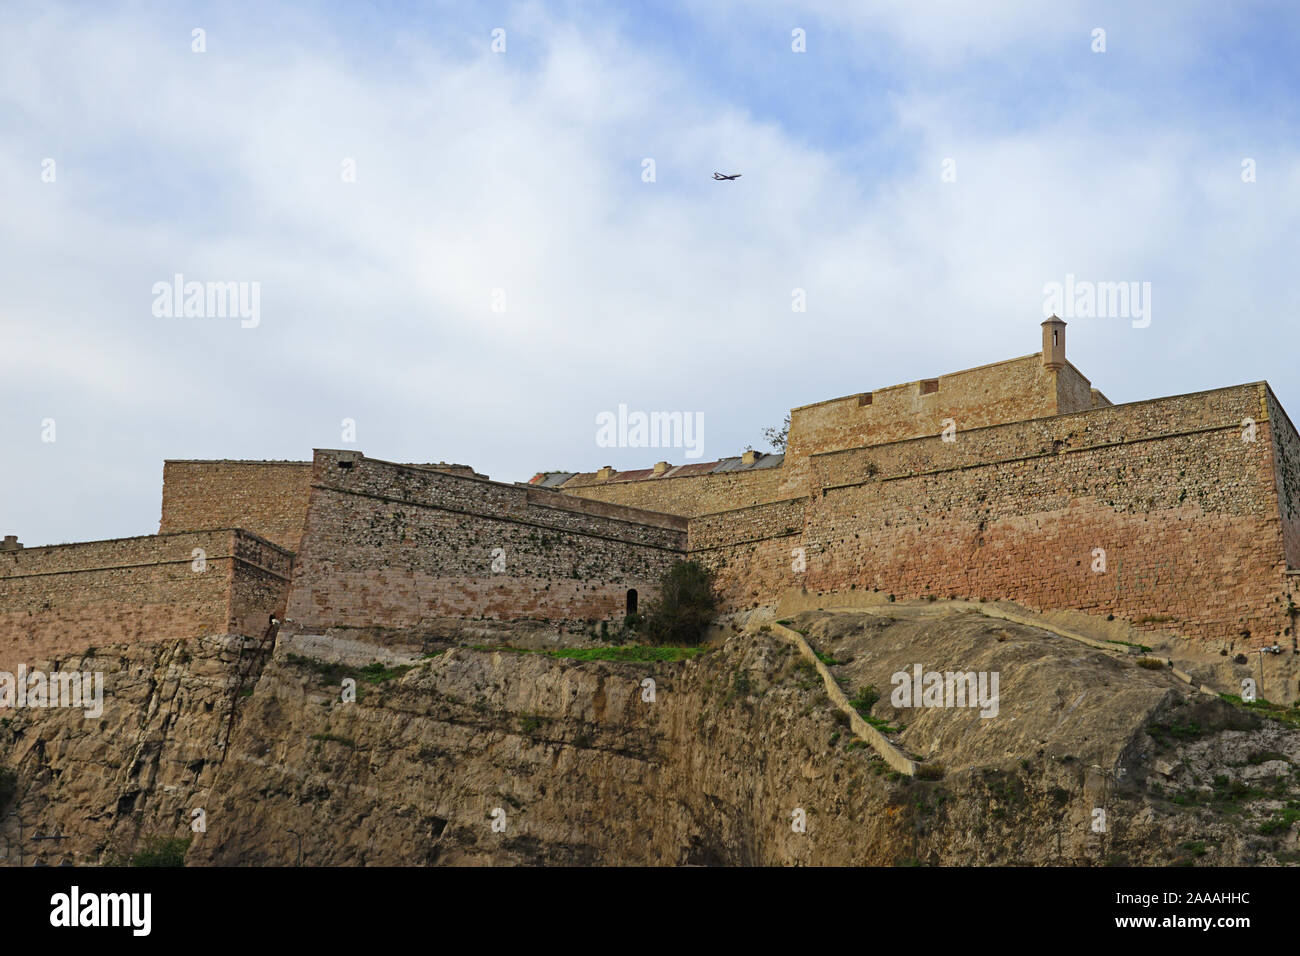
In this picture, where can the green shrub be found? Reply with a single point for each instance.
(686, 605)
(865, 699)
(531, 722)
(162, 851)
(1283, 820)
(1254, 758)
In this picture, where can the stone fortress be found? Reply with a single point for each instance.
(1013, 481)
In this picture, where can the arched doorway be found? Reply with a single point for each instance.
(631, 600)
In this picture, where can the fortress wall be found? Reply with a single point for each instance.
(1109, 424)
(389, 546)
(689, 495)
(1190, 533)
(1188, 519)
(62, 599)
(1009, 391)
(739, 525)
(992, 394)
(750, 549)
(1286, 461)
(268, 498)
(260, 586)
(1073, 391)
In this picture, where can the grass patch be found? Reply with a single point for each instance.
(333, 672)
(378, 673)
(1286, 715)
(335, 738)
(1141, 647)
(881, 725)
(1282, 821)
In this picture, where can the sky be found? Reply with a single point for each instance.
(473, 229)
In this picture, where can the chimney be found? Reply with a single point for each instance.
(661, 467)
(11, 543)
(606, 473)
(1053, 344)
(749, 457)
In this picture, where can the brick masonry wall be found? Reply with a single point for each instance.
(268, 498)
(63, 599)
(390, 545)
(1186, 512)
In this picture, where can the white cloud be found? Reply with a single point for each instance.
(522, 172)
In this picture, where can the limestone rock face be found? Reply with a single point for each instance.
(141, 768)
(453, 754)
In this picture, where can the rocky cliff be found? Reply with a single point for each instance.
(466, 748)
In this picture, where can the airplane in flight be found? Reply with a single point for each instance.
(721, 178)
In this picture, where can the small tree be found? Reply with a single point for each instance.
(686, 605)
(776, 437)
